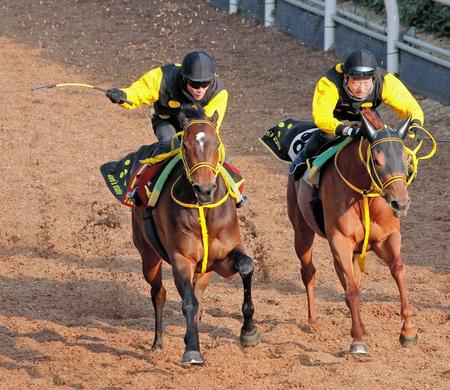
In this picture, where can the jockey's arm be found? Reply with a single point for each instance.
(326, 96)
(217, 103)
(398, 97)
(145, 90)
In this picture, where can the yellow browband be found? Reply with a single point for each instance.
(218, 168)
(377, 183)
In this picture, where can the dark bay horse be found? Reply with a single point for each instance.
(195, 228)
(379, 181)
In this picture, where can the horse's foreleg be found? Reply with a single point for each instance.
(342, 249)
(244, 265)
(389, 251)
(357, 275)
(200, 286)
(183, 272)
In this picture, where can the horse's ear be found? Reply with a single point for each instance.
(403, 127)
(215, 117)
(368, 130)
(182, 117)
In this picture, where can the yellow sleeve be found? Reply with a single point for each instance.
(217, 103)
(397, 96)
(326, 96)
(145, 90)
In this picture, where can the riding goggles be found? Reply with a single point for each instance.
(198, 84)
(361, 71)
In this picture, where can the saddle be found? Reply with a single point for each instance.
(137, 180)
(286, 139)
(312, 175)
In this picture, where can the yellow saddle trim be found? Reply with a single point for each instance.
(160, 157)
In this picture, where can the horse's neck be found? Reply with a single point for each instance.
(351, 166)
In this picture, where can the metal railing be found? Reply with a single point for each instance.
(390, 34)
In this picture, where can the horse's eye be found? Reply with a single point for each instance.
(375, 157)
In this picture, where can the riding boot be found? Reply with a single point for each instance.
(242, 202)
(298, 165)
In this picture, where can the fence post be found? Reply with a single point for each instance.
(269, 9)
(329, 26)
(393, 34)
(233, 6)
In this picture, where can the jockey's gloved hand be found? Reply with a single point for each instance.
(415, 130)
(349, 131)
(116, 95)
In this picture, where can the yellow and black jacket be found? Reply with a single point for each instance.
(163, 87)
(331, 103)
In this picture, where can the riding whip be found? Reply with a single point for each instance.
(48, 86)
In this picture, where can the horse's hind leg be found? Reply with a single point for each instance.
(303, 242)
(389, 251)
(250, 335)
(152, 270)
(153, 274)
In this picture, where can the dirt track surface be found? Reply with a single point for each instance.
(75, 311)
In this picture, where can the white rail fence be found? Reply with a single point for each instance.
(322, 24)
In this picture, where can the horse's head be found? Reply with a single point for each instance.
(201, 151)
(387, 163)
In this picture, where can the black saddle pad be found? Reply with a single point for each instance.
(117, 174)
(288, 137)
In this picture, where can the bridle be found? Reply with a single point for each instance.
(202, 164)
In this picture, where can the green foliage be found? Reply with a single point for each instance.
(425, 15)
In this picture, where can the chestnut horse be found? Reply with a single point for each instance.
(195, 228)
(379, 181)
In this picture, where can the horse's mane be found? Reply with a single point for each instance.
(373, 118)
(192, 111)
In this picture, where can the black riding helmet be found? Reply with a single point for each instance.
(198, 66)
(360, 64)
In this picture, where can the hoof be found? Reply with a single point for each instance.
(191, 358)
(358, 348)
(408, 341)
(157, 348)
(250, 339)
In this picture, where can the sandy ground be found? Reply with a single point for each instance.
(74, 309)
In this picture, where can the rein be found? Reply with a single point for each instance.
(378, 184)
(218, 168)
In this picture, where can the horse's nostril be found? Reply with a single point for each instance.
(196, 188)
(394, 205)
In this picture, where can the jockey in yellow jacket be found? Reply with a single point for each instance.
(342, 93)
(171, 86)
